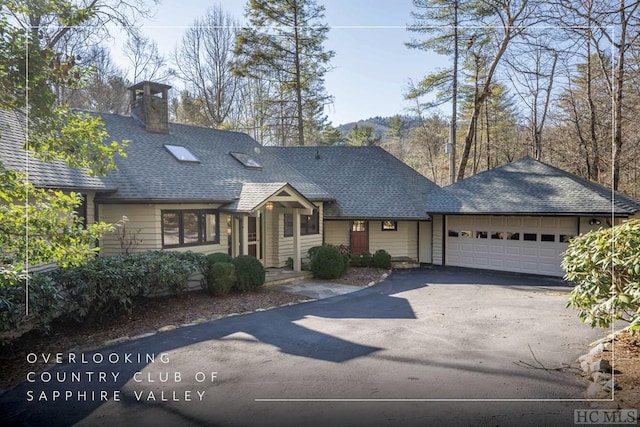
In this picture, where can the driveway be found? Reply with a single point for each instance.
(438, 346)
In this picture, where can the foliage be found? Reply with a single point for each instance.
(55, 232)
(381, 259)
(207, 268)
(222, 276)
(250, 273)
(284, 44)
(362, 259)
(327, 263)
(363, 136)
(289, 263)
(45, 302)
(605, 266)
(127, 239)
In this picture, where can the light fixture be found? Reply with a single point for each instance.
(269, 206)
(594, 221)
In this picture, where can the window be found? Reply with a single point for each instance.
(81, 211)
(513, 236)
(288, 225)
(468, 234)
(182, 154)
(530, 237)
(309, 224)
(389, 225)
(453, 233)
(359, 226)
(189, 228)
(481, 234)
(246, 160)
(566, 238)
(547, 238)
(497, 235)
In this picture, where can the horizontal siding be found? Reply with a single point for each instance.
(285, 244)
(336, 233)
(402, 242)
(144, 225)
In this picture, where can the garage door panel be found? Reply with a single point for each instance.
(526, 256)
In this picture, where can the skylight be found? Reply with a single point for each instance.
(246, 160)
(182, 154)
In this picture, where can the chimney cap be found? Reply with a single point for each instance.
(157, 85)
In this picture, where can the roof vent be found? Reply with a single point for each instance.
(317, 154)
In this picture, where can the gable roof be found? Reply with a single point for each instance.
(366, 182)
(55, 174)
(254, 195)
(150, 173)
(529, 186)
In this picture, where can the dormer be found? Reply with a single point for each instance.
(150, 105)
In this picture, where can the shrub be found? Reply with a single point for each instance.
(250, 273)
(382, 259)
(607, 277)
(327, 263)
(45, 301)
(207, 270)
(222, 276)
(363, 259)
(289, 263)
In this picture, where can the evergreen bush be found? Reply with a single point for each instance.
(250, 273)
(363, 259)
(381, 259)
(327, 263)
(222, 276)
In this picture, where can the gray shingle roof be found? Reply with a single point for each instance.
(366, 182)
(151, 173)
(54, 174)
(528, 186)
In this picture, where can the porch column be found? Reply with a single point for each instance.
(245, 234)
(297, 265)
(235, 236)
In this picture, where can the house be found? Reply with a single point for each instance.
(206, 190)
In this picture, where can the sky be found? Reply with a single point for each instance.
(372, 66)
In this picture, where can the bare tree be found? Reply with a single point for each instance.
(144, 58)
(203, 62)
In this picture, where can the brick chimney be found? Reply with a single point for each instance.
(149, 104)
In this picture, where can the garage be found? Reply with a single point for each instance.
(524, 244)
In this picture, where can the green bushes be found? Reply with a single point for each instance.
(607, 277)
(327, 262)
(222, 276)
(250, 273)
(381, 259)
(363, 259)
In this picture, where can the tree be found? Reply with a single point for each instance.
(284, 44)
(495, 25)
(203, 62)
(146, 61)
(331, 135)
(30, 33)
(363, 136)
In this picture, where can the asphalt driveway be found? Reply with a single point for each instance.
(437, 346)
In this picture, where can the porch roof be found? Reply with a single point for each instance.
(254, 196)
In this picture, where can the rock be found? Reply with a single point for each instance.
(589, 358)
(168, 328)
(596, 350)
(600, 365)
(116, 341)
(584, 365)
(610, 385)
(600, 377)
(596, 391)
(148, 334)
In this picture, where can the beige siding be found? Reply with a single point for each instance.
(437, 246)
(285, 244)
(425, 246)
(91, 211)
(144, 224)
(400, 243)
(585, 227)
(336, 233)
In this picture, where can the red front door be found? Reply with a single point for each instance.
(359, 237)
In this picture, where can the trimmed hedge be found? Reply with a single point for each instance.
(327, 263)
(250, 273)
(363, 259)
(381, 259)
(222, 276)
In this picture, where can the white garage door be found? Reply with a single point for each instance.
(507, 243)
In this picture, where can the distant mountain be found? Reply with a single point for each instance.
(380, 125)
